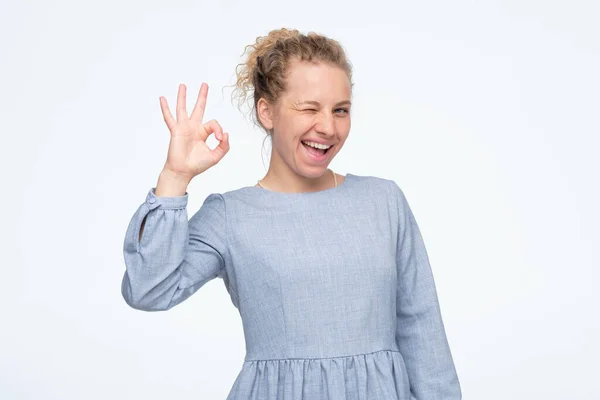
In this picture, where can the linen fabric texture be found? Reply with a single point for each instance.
(335, 288)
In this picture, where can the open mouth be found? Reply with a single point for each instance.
(316, 152)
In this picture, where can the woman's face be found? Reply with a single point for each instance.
(315, 106)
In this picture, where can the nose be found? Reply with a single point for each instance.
(325, 124)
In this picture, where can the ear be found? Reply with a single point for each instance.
(265, 113)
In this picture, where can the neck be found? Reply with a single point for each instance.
(297, 184)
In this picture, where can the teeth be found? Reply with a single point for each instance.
(317, 145)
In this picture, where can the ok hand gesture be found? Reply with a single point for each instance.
(188, 153)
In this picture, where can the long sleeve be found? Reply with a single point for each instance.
(420, 332)
(174, 257)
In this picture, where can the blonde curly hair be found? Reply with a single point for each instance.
(263, 73)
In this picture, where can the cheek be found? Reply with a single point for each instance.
(343, 125)
(294, 127)
(304, 122)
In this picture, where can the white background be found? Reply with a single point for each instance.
(485, 113)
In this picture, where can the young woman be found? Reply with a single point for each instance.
(329, 272)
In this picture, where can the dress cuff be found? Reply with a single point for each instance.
(169, 202)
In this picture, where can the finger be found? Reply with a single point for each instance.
(198, 111)
(222, 149)
(168, 117)
(213, 126)
(181, 106)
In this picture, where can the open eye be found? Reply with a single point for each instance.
(344, 111)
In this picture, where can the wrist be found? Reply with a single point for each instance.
(169, 175)
(171, 184)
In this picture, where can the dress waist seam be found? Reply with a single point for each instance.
(321, 358)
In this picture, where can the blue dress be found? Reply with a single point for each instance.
(334, 288)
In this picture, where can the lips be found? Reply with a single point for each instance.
(314, 155)
(317, 141)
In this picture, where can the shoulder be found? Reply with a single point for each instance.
(379, 185)
(355, 186)
(212, 209)
(214, 201)
(386, 191)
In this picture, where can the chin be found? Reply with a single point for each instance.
(314, 171)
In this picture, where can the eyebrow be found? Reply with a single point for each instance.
(316, 103)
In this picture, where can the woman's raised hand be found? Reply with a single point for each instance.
(188, 154)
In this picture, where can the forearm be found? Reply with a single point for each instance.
(421, 337)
